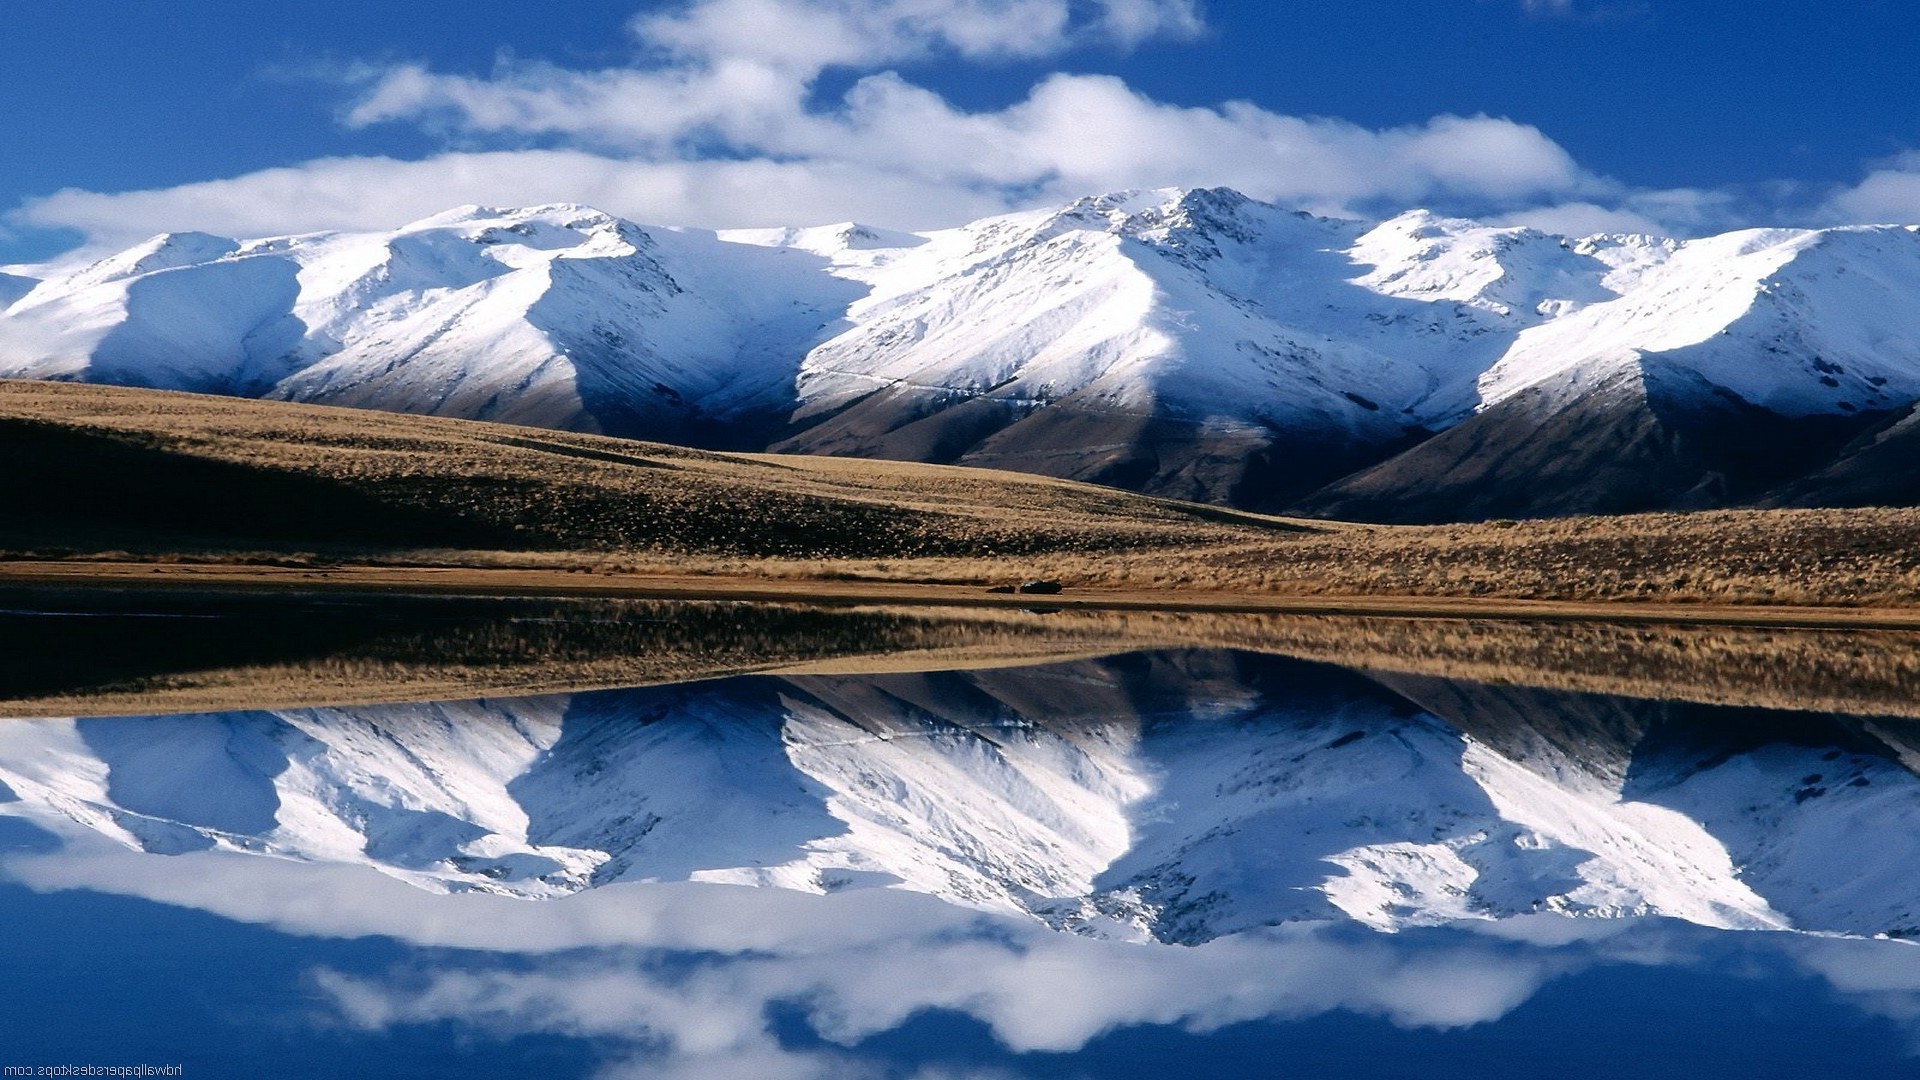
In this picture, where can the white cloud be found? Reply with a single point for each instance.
(1582, 219)
(894, 155)
(1076, 134)
(864, 961)
(1889, 194)
(331, 900)
(810, 35)
(1036, 989)
(607, 964)
(610, 965)
(744, 68)
(1072, 135)
(721, 125)
(366, 193)
(743, 72)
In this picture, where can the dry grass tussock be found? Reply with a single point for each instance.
(269, 651)
(1869, 673)
(103, 470)
(1853, 557)
(129, 653)
(147, 471)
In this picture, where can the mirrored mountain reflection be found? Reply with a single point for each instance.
(1175, 796)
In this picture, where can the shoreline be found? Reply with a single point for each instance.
(574, 584)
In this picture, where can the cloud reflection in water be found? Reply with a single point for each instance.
(1226, 803)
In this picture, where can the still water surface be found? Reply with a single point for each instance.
(1163, 862)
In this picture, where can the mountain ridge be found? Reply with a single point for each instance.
(1175, 796)
(1191, 343)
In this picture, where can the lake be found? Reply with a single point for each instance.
(392, 837)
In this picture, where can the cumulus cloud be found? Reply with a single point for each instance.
(610, 963)
(367, 193)
(331, 900)
(720, 122)
(1890, 192)
(742, 76)
(1582, 219)
(1035, 989)
(895, 155)
(815, 34)
(744, 69)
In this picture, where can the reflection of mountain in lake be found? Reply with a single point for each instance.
(1177, 796)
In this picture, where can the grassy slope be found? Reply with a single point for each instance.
(91, 469)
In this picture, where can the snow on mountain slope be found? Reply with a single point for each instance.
(1731, 370)
(413, 789)
(1173, 797)
(1794, 321)
(1194, 343)
(1792, 815)
(1159, 340)
(556, 316)
(1422, 824)
(1109, 306)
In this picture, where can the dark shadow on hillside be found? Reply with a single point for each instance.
(91, 490)
(63, 647)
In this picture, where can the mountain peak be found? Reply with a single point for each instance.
(1210, 213)
(1184, 341)
(556, 213)
(841, 236)
(164, 251)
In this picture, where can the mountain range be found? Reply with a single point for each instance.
(1174, 796)
(1189, 343)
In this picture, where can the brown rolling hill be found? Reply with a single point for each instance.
(91, 468)
(150, 477)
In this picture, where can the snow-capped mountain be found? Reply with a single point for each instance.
(557, 316)
(1192, 343)
(1174, 796)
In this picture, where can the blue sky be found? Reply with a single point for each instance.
(127, 117)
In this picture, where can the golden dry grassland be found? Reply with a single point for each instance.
(269, 651)
(101, 473)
